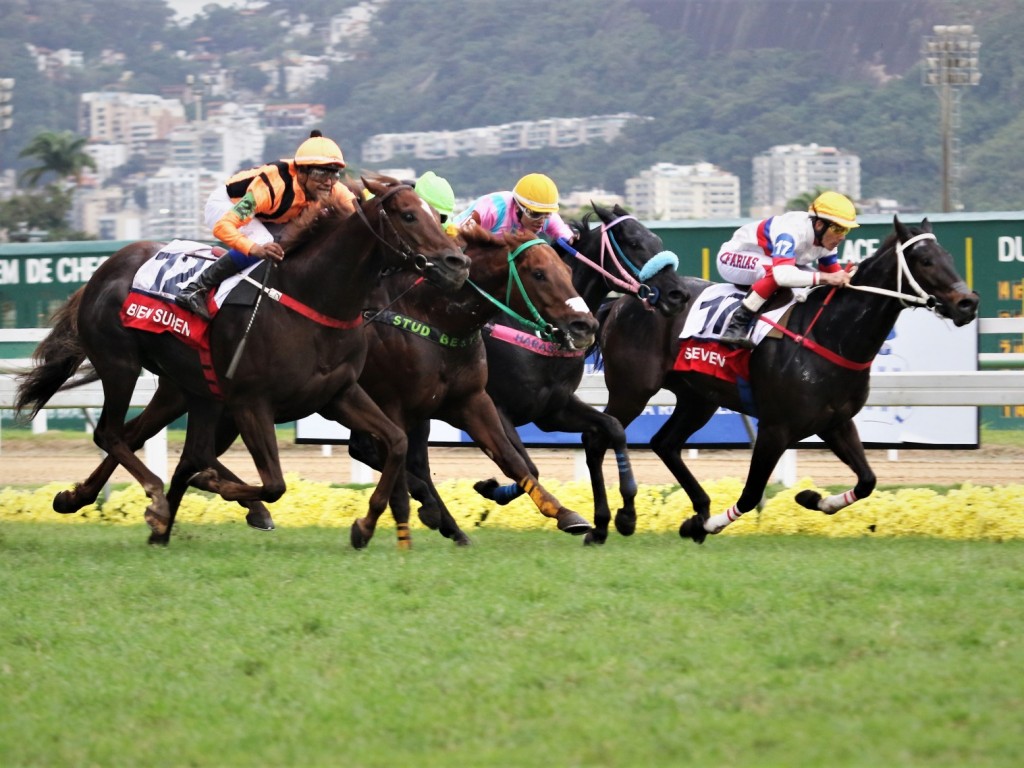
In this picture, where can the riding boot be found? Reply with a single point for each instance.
(737, 332)
(193, 296)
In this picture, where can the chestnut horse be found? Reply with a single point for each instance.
(304, 354)
(812, 380)
(427, 361)
(620, 254)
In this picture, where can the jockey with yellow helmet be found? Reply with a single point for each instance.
(532, 205)
(793, 250)
(240, 210)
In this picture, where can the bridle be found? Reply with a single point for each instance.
(420, 262)
(630, 278)
(544, 329)
(920, 298)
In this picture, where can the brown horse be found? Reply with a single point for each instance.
(427, 359)
(304, 354)
(812, 380)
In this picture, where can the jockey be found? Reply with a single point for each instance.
(779, 251)
(439, 195)
(532, 205)
(243, 212)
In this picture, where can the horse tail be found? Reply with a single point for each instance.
(56, 359)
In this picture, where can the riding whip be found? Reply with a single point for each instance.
(241, 344)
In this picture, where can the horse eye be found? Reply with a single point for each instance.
(926, 261)
(539, 275)
(408, 217)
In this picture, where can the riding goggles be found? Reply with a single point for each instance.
(838, 229)
(535, 215)
(319, 174)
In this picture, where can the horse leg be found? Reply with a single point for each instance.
(690, 414)
(479, 418)
(166, 405)
(491, 488)
(422, 488)
(844, 441)
(254, 421)
(769, 446)
(356, 410)
(197, 454)
(119, 378)
(577, 416)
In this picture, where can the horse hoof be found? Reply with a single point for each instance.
(462, 540)
(64, 503)
(809, 500)
(486, 488)
(156, 540)
(357, 537)
(572, 523)
(260, 519)
(693, 528)
(430, 517)
(157, 524)
(625, 522)
(595, 538)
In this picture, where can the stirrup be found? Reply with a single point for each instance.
(195, 302)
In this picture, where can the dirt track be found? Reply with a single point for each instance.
(29, 462)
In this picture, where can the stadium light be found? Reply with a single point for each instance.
(951, 64)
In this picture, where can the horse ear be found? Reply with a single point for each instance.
(603, 213)
(926, 225)
(901, 231)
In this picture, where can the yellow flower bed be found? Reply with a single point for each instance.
(970, 512)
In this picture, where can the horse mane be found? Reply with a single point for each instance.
(474, 235)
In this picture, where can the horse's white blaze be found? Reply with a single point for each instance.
(577, 304)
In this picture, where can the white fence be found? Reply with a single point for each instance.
(932, 388)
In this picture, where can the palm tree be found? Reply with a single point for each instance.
(57, 153)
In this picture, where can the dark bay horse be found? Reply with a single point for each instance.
(304, 353)
(427, 361)
(531, 384)
(811, 385)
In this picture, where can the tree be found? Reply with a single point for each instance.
(57, 153)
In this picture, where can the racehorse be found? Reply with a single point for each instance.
(427, 361)
(812, 380)
(535, 385)
(304, 354)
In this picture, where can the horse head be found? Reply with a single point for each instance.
(931, 273)
(623, 254)
(411, 235)
(534, 283)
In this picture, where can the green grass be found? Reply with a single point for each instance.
(234, 648)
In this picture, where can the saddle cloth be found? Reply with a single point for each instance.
(150, 305)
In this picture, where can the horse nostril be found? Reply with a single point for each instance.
(583, 327)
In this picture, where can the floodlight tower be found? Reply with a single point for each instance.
(951, 64)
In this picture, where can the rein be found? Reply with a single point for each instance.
(921, 299)
(306, 311)
(629, 279)
(538, 324)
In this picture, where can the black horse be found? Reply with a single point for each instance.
(812, 380)
(531, 385)
(304, 354)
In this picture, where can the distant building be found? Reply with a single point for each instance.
(128, 118)
(700, 191)
(174, 199)
(787, 171)
(495, 139)
(582, 198)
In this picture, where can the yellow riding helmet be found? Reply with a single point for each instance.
(536, 192)
(836, 208)
(318, 150)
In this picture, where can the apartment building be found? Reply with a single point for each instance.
(699, 191)
(787, 171)
(128, 118)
